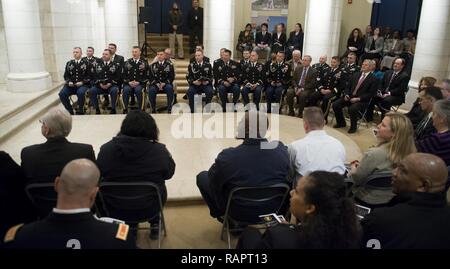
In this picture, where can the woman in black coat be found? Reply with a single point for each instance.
(295, 41)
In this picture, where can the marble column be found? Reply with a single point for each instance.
(121, 25)
(322, 28)
(432, 55)
(24, 43)
(218, 29)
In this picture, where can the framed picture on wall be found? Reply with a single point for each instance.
(269, 4)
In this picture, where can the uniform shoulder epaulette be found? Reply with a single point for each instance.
(11, 234)
(122, 232)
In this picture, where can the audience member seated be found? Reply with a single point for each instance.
(393, 48)
(394, 87)
(347, 71)
(202, 49)
(327, 216)
(263, 41)
(42, 163)
(304, 84)
(409, 49)
(428, 97)
(245, 40)
(269, 165)
(135, 155)
(419, 216)
(416, 114)
(295, 61)
(445, 87)
(71, 225)
(355, 43)
(438, 143)
(317, 151)
(376, 70)
(374, 46)
(14, 204)
(278, 40)
(395, 134)
(295, 41)
(368, 33)
(357, 95)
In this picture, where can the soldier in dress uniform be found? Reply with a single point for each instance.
(253, 76)
(161, 74)
(76, 76)
(106, 79)
(119, 61)
(202, 49)
(200, 78)
(135, 78)
(278, 78)
(71, 225)
(328, 87)
(226, 76)
(322, 68)
(347, 71)
(92, 63)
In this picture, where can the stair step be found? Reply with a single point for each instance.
(29, 112)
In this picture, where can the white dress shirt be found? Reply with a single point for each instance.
(71, 211)
(317, 151)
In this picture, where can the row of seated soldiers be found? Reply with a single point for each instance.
(311, 85)
(111, 74)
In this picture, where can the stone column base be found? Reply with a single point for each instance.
(28, 82)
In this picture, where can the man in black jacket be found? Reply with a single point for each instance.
(361, 89)
(419, 216)
(427, 99)
(232, 169)
(71, 225)
(200, 78)
(264, 41)
(195, 22)
(42, 163)
(393, 89)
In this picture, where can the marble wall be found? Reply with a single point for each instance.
(4, 65)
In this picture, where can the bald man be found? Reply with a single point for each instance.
(419, 217)
(71, 225)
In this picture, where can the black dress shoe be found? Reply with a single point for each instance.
(352, 130)
(97, 112)
(113, 112)
(125, 111)
(291, 113)
(337, 126)
(79, 112)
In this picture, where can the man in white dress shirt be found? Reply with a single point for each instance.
(318, 150)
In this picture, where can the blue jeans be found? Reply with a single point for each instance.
(273, 95)
(223, 94)
(256, 95)
(67, 91)
(113, 91)
(127, 93)
(194, 90)
(167, 89)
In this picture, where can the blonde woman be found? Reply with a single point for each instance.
(396, 136)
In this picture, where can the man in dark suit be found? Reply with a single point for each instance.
(279, 40)
(427, 97)
(71, 225)
(304, 84)
(393, 89)
(362, 88)
(42, 163)
(195, 22)
(263, 41)
(419, 216)
(269, 165)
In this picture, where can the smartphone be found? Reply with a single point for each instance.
(272, 219)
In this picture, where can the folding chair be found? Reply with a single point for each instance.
(132, 202)
(249, 200)
(43, 197)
